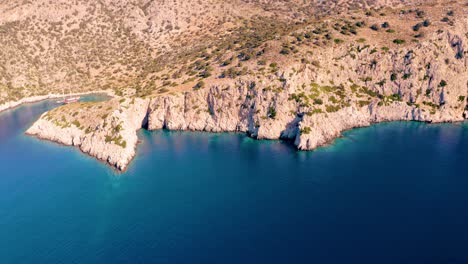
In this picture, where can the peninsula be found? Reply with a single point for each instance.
(303, 72)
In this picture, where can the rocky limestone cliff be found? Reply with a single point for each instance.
(419, 93)
(310, 104)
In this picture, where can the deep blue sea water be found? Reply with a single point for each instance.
(391, 193)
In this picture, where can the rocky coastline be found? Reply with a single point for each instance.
(310, 105)
(174, 112)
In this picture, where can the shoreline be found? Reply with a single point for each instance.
(291, 141)
(342, 135)
(288, 141)
(34, 99)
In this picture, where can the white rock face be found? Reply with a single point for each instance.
(326, 127)
(130, 117)
(71, 136)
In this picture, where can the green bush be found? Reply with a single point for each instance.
(205, 74)
(375, 27)
(381, 83)
(395, 97)
(318, 101)
(227, 62)
(426, 23)
(428, 92)
(199, 85)
(363, 103)
(332, 108)
(417, 26)
(306, 130)
(271, 112)
(76, 123)
(338, 41)
(285, 51)
(420, 13)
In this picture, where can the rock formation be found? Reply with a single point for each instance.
(111, 138)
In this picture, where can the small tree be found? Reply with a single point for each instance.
(442, 83)
(284, 51)
(375, 27)
(417, 26)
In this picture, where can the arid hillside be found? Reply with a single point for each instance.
(159, 46)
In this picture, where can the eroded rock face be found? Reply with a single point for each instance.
(242, 107)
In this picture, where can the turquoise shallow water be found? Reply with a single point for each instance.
(391, 193)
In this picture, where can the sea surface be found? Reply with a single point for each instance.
(392, 193)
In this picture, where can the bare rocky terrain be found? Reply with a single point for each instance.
(302, 71)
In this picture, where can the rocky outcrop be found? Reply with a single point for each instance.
(112, 139)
